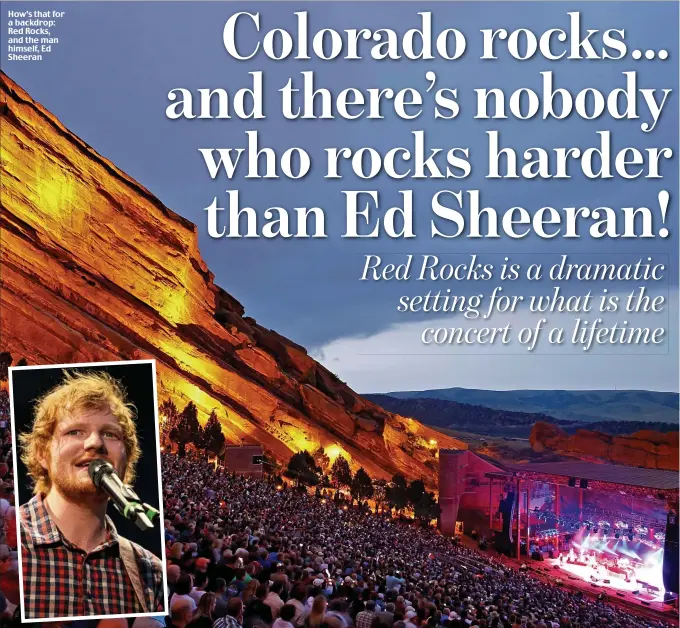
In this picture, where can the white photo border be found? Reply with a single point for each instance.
(160, 487)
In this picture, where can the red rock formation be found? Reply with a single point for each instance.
(94, 268)
(646, 448)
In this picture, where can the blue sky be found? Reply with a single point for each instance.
(108, 80)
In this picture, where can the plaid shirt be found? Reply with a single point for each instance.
(364, 619)
(62, 580)
(226, 622)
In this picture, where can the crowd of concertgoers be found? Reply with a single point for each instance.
(246, 553)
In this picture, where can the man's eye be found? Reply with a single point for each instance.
(73, 432)
(112, 435)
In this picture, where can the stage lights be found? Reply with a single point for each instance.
(635, 528)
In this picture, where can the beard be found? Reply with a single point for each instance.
(75, 486)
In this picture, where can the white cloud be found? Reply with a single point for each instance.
(397, 359)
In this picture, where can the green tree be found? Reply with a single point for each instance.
(169, 418)
(321, 459)
(396, 493)
(362, 487)
(213, 438)
(426, 508)
(341, 473)
(415, 492)
(303, 469)
(380, 494)
(188, 429)
(5, 363)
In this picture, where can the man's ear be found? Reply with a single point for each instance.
(43, 458)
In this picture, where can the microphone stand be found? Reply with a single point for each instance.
(143, 514)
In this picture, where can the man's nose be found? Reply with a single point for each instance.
(95, 441)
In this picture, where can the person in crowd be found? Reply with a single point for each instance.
(250, 592)
(180, 614)
(257, 614)
(298, 601)
(183, 589)
(220, 598)
(315, 618)
(173, 572)
(203, 616)
(286, 615)
(234, 616)
(365, 618)
(337, 610)
(273, 599)
(200, 584)
(387, 616)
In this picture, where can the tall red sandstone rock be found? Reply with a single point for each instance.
(94, 267)
(646, 448)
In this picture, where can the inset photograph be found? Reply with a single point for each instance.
(88, 489)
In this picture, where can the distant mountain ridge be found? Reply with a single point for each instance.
(591, 406)
(451, 416)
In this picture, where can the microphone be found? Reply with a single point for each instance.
(125, 500)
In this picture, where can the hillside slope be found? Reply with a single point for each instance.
(570, 405)
(94, 267)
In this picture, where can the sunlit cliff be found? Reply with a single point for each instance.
(94, 267)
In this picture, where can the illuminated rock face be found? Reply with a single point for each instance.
(95, 268)
(646, 448)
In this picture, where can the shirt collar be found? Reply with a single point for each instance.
(44, 531)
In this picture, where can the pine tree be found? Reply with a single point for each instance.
(321, 459)
(5, 363)
(341, 473)
(362, 487)
(169, 417)
(303, 469)
(396, 493)
(188, 430)
(415, 493)
(426, 508)
(380, 494)
(213, 438)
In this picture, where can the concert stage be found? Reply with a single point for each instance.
(595, 522)
(577, 580)
(612, 582)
